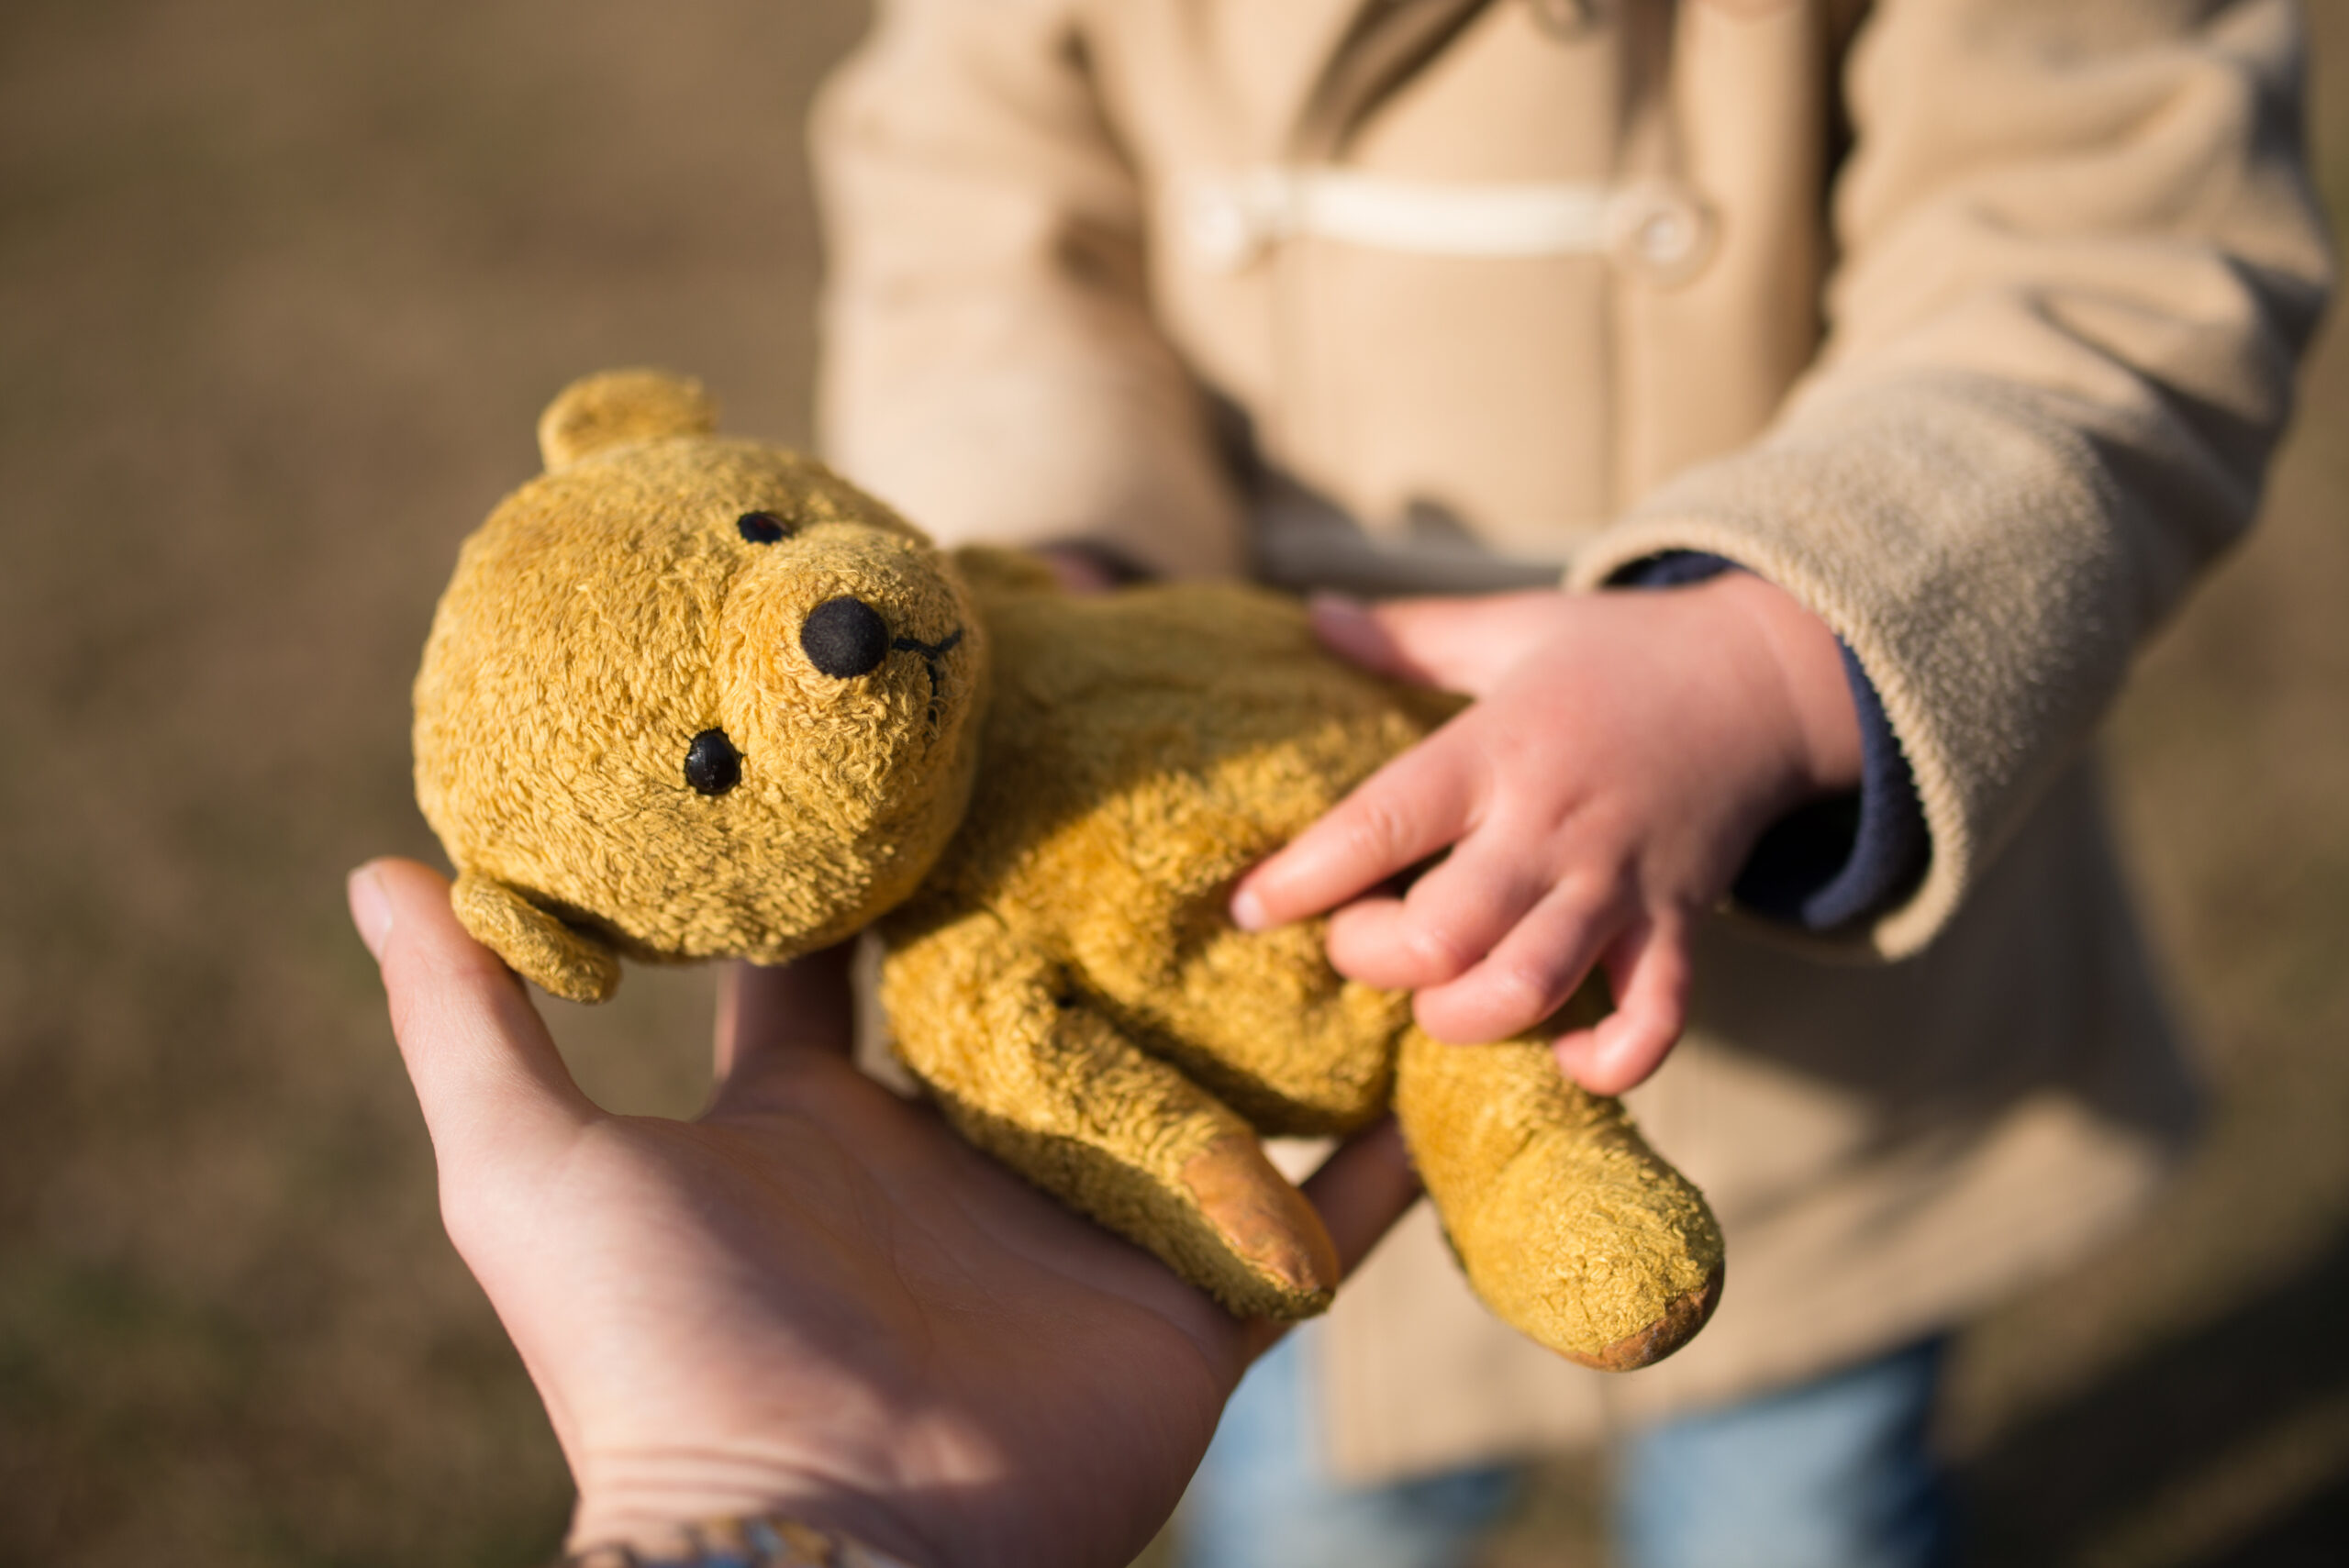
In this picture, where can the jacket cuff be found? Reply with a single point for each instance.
(1835, 863)
(1968, 540)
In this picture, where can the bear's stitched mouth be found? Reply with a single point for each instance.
(931, 652)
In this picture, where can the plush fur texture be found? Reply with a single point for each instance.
(1042, 801)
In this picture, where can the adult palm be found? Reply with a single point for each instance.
(813, 1299)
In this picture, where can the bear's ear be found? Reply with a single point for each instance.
(573, 964)
(620, 406)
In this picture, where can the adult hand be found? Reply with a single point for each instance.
(814, 1299)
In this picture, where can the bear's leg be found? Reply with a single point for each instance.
(1568, 1225)
(1030, 1072)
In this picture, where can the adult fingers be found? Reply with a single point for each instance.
(774, 1018)
(1456, 645)
(487, 1073)
(1531, 971)
(1649, 968)
(1445, 927)
(1361, 1189)
(1416, 805)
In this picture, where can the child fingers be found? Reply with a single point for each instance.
(1351, 631)
(1651, 971)
(1363, 940)
(1455, 644)
(1531, 971)
(1418, 804)
(1445, 927)
(487, 1076)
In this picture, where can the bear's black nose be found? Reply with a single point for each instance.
(844, 637)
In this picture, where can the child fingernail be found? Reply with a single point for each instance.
(1348, 628)
(1248, 910)
(371, 908)
(1341, 608)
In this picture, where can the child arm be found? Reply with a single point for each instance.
(2078, 260)
(2061, 344)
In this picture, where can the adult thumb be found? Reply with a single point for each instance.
(487, 1076)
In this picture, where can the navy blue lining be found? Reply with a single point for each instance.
(1832, 863)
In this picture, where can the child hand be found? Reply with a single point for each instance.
(1624, 751)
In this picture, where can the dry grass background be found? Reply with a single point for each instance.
(282, 287)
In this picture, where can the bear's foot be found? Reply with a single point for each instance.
(1569, 1227)
(1031, 1072)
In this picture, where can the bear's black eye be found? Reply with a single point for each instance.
(712, 765)
(763, 527)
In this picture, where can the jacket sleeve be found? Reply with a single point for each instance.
(989, 364)
(2079, 257)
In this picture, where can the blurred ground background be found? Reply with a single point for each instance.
(283, 288)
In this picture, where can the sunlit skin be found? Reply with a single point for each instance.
(1623, 754)
(813, 1298)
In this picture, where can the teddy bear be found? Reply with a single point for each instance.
(688, 696)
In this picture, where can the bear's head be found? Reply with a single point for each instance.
(689, 697)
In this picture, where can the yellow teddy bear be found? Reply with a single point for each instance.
(689, 697)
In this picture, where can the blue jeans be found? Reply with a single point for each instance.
(1834, 1474)
(1262, 1499)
